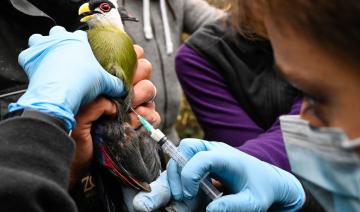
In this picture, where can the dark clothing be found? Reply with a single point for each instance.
(35, 158)
(221, 116)
(236, 94)
(16, 28)
(248, 68)
(311, 204)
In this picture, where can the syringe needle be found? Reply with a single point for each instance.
(170, 149)
(143, 121)
(132, 109)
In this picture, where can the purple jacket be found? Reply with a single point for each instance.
(220, 114)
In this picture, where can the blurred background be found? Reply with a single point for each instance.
(186, 124)
(217, 3)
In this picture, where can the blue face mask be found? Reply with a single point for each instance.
(325, 161)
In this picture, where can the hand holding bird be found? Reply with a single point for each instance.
(128, 154)
(143, 91)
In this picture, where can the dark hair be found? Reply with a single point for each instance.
(333, 24)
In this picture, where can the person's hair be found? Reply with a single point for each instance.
(247, 17)
(333, 24)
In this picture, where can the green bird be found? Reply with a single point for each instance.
(127, 153)
(112, 46)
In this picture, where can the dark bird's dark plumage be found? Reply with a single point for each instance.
(128, 154)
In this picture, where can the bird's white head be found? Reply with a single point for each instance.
(103, 11)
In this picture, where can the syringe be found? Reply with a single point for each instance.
(170, 149)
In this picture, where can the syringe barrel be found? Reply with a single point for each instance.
(209, 189)
(170, 149)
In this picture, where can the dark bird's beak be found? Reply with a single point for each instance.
(85, 13)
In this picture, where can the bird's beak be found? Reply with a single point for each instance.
(85, 11)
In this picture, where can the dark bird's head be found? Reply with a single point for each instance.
(100, 11)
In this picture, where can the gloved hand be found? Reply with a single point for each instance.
(254, 184)
(160, 196)
(63, 74)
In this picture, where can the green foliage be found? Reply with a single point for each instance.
(186, 123)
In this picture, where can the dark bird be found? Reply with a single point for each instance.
(128, 154)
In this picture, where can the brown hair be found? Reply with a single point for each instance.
(333, 24)
(247, 17)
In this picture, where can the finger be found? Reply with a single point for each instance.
(24, 61)
(112, 86)
(173, 174)
(110, 109)
(154, 96)
(243, 201)
(28, 57)
(91, 112)
(139, 51)
(154, 120)
(198, 166)
(191, 146)
(148, 112)
(143, 71)
(188, 147)
(80, 33)
(144, 91)
(158, 197)
(35, 39)
(149, 105)
(57, 30)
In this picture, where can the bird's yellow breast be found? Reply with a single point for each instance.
(113, 47)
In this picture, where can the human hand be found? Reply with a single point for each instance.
(160, 196)
(63, 74)
(144, 90)
(254, 184)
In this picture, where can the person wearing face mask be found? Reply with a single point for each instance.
(316, 47)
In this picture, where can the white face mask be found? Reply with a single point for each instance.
(325, 161)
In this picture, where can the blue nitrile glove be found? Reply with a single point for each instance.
(63, 74)
(160, 196)
(255, 184)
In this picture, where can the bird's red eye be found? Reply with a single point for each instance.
(105, 7)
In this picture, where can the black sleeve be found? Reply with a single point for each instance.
(35, 157)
